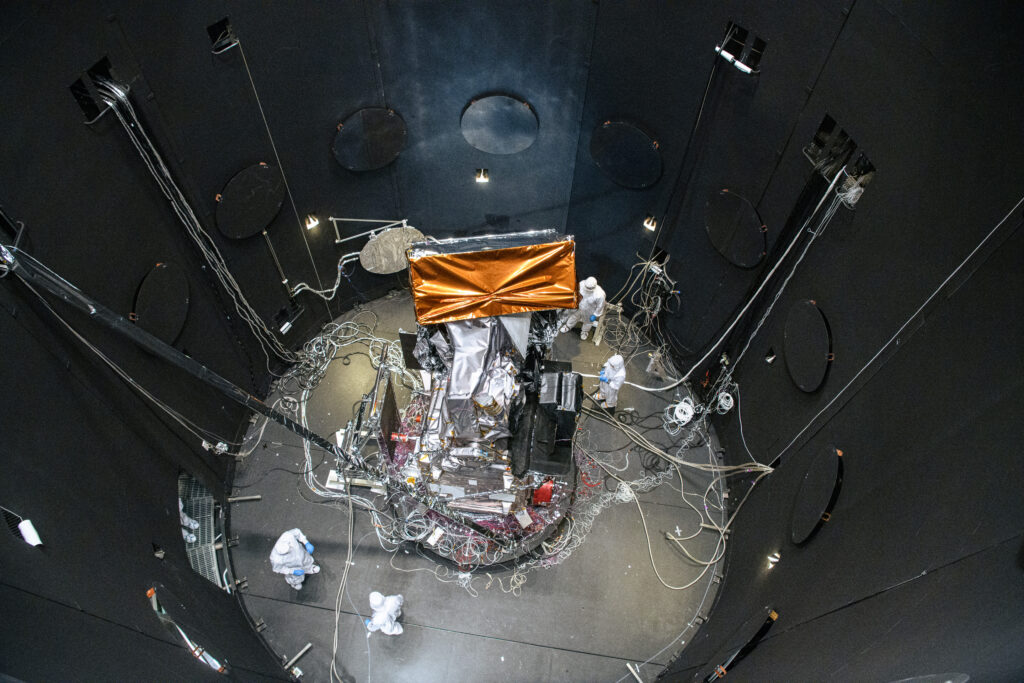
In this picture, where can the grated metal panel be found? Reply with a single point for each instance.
(199, 505)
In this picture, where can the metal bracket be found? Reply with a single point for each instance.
(17, 228)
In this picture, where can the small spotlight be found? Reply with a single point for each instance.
(773, 559)
(482, 176)
(651, 223)
(29, 533)
(312, 221)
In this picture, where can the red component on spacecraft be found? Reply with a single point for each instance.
(542, 494)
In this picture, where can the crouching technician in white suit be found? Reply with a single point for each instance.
(293, 556)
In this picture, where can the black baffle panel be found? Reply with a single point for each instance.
(808, 345)
(626, 153)
(735, 229)
(250, 201)
(161, 302)
(817, 495)
(499, 124)
(369, 139)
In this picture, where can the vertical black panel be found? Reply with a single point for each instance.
(928, 430)
(436, 58)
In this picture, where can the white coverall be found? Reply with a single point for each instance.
(592, 299)
(292, 556)
(188, 525)
(613, 375)
(386, 611)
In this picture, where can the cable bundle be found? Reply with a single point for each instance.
(116, 97)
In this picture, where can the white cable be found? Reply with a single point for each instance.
(115, 97)
(753, 298)
(189, 425)
(280, 167)
(902, 327)
(341, 587)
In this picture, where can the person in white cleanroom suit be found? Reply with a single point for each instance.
(590, 309)
(188, 525)
(386, 610)
(293, 556)
(613, 375)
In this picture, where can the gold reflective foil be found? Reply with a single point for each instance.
(479, 284)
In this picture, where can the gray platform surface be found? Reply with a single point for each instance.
(581, 620)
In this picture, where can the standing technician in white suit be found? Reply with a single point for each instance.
(591, 307)
(613, 376)
(293, 556)
(386, 610)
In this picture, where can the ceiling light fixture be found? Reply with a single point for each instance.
(651, 223)
(482, 176)
(312, 221)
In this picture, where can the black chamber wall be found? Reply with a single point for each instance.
(927, 93)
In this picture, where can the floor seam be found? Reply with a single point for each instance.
(450, 630)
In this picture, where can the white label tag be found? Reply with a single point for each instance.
(435, 536)
(524, 518)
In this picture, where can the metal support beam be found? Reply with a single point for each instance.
(29, 269)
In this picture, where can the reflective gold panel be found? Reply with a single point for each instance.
(479, 284)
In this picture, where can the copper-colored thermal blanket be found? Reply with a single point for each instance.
(478, 284)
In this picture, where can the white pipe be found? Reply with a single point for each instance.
(338, 239)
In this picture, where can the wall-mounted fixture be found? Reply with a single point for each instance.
(773, 559)
(312, 221)
(741, 48)
(727, 56)
(482, 175)
(383, 224)
(286, 317)
(19, 526)
(651, 223)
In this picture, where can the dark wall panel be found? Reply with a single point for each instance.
(928, 431)
(897, 634)
(927, 91)
(436, 58)
(100, 486)
(93, 648)
(311, 67)
(926, 481)
(657, 73)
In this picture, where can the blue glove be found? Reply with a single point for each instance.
(603, 377)
(593, 318)
(298, 572)
(309, 547)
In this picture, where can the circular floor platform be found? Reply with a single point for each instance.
(563, 623)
